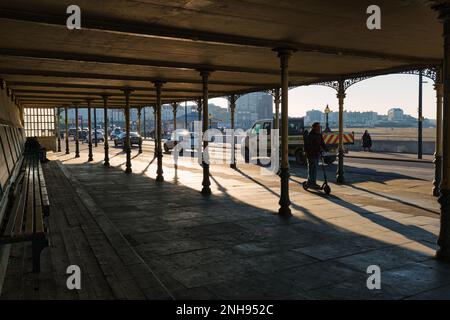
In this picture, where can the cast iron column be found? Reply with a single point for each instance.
(443, 252)
(277, 109)
(206, 190)
(419, 118)
(139, 110)
(438, 86)
(145, 127)
(185, 116)
(90, 157)
(159, 154)
(233, 138)
(285, 202)
(106, 144)
(66, 120)
(127, 142)
(155, 130)
(58, 130)
(77, 133)
(341, 96)
(174, 109)
(95, 127)
(199, 109)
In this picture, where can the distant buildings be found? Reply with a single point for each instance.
(351, 118)
(249, 108)
(394, 118)
(395, 114)
(314, 116)
(252, 107)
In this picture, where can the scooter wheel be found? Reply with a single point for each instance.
(327, 189)
(305, 185)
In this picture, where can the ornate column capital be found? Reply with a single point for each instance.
(89, 101)
(158, 84)
(127, 92)
(105, 97)
(443, 7)
(341, 95)
(205, 73)
(232, 98)
(439, 87)
(285, 52)
(277, 100)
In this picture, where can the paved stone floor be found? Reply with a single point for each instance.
(134, 238)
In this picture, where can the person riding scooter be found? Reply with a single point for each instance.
(314, 145)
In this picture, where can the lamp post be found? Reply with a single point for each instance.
(327, 112)
(420, 118)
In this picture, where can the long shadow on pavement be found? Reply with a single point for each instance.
(225, 248)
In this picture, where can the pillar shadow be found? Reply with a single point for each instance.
(411, 232)
(409, 204)
(173, 228)
(353, 174)
(256, 181)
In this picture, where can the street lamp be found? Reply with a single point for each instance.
(327, 111)
(420, 117)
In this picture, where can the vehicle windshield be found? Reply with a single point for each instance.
(179, 135)
(295, 127)
(256, 128)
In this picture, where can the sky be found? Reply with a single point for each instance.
(376, 94)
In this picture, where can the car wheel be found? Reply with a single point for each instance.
(247, 155)
(166, 148)
(115, 143)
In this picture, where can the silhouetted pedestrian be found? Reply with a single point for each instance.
(314, 145)
(366, 141)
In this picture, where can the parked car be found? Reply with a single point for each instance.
(83, 135)
(115, 133)
(100, 137)
(174, 139)
(135, 139)
(72, 132)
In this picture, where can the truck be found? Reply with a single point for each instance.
(296, 144)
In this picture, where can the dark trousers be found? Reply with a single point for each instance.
(313, 164)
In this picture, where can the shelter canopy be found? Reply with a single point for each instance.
(129, 44)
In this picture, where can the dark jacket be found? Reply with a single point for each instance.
(314, 145)
(366, 141)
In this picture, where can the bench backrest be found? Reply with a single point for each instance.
(12, 144)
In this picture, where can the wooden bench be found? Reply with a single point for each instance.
(28, 208)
